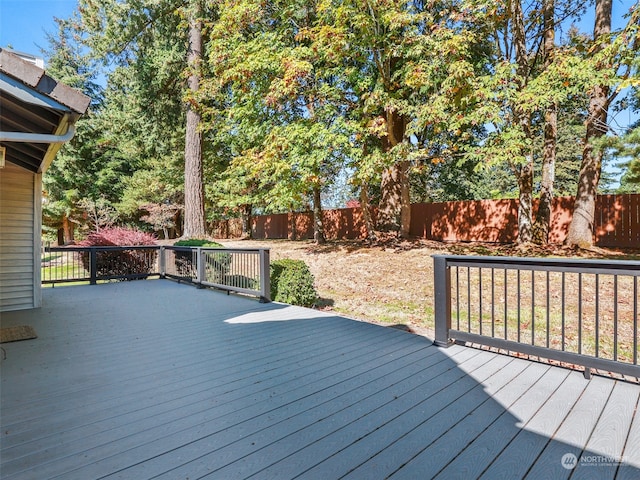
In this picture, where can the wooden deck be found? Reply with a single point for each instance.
(152, 379)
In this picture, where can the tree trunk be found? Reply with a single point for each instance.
(543, 216)
(395, 205)
(580, 232)
(523, 119)
(318, 223)
(246, 222)
(525, 186)
(194, 219)
(366, 214)
(68, 228)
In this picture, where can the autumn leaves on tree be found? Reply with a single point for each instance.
(275, 103)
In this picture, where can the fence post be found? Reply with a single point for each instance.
(93, 266)
(442, 300)
(265, 278)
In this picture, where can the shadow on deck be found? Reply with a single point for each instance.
(152, 379)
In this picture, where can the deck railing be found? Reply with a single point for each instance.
(582, 312)
(239, 270)
(94, 264)
(234, 270)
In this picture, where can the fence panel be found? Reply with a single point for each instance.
(271, 226)
(300, 225)
(474, 221)
(617, 221)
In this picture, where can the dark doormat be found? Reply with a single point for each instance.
(14, 334)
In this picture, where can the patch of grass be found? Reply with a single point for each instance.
(64, 272)
(50, 258)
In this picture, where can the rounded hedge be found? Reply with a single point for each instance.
(195, 242)
(292, 283)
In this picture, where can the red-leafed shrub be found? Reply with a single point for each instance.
(118, 237)
(126, 264)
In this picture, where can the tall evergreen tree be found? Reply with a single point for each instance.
(128, 33)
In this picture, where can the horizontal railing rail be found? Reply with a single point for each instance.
(238, 270)
(234, 270)
(581, 312)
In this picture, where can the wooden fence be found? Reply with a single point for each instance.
(617, 222)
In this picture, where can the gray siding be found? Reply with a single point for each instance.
(17, 241)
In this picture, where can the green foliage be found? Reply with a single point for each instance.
(292, 283)
(295, 94)
(628, 147)
(197, 242)
(132, 263)
(88, 170)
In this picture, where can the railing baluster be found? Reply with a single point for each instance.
(518, 277)
(469, 299)
(506, 312)
(635, 320)
(458, 297)
(533, 307)
(580, 312)
(615, 317)
(493, 303)
(597, 317)
(480, 298)
(562, 301)
(548, 311)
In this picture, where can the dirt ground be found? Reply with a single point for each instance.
(392, 283)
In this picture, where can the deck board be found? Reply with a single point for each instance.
(153, 379)
(438, 454)
(521, 453)
(610, 434)
(629, 469)
(574, 432)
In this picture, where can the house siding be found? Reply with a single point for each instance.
(19, 218)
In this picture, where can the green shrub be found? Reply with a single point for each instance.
(292, 283)
(195, 242)
(218, 264)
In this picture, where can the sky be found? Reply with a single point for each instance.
(24, 23)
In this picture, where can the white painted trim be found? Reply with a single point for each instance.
(22, 137)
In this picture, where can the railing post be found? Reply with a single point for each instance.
(265, 278)
(442, 303)
(201, 274)
(162, 262)
(93, 266)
